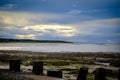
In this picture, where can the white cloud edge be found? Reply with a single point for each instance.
(83, 28)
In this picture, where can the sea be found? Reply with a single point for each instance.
(61, 47)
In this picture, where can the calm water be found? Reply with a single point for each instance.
(60, 47)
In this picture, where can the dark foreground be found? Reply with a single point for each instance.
(69, 63)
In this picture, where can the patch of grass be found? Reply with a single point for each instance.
(27, 63)
(90, 76)
(74, 71)
(3, 63)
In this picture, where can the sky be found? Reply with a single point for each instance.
(87, 21)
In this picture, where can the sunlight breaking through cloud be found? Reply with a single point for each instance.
(29, 36)
(62, 30)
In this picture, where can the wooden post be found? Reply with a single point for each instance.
(37, 68)
(14, 65)
(118, 74)
(55, 73)
(82, 73)
(100, 74)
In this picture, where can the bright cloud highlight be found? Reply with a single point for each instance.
(62, 30)
(28, 36)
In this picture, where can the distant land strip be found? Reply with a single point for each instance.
(30, 41)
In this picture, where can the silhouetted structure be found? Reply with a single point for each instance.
(37, 68)
(54, 73)
(100, 74)
(14, 65)
(118, 74)
(82, 73)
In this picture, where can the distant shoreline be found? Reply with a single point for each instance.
(3, 40)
